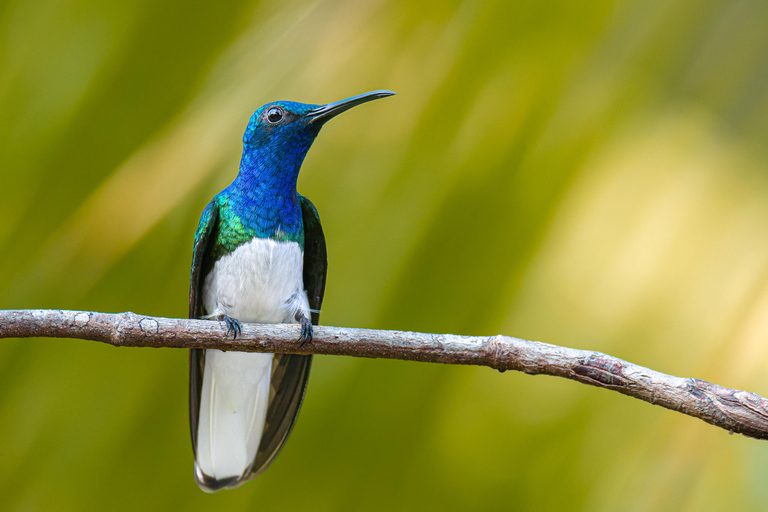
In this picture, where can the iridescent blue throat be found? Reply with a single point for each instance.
(263, 195)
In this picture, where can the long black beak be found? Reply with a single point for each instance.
(322, 114)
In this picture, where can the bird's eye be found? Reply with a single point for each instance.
(274, 115)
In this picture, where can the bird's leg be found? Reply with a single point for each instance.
(234, 327)
(306, 328)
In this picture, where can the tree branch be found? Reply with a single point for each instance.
(736, 411)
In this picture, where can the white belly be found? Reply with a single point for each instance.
(260, 282)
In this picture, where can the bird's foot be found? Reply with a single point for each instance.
(234, 327)
(306, 329)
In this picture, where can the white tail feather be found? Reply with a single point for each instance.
(233, 408)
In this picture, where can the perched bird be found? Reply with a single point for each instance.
(259, 256)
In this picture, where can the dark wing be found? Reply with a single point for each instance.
(206, 230)
(290, 372)
(315, 258)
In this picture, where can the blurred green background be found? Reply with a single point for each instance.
(587, 173)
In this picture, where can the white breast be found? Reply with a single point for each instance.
(260, 281)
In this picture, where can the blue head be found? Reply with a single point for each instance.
(279, 135)
(277, 139)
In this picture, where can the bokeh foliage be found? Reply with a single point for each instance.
(588, 173)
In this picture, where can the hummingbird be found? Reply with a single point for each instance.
(259, 256)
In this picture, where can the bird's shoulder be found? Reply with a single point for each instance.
(233, 228)
(239, 222)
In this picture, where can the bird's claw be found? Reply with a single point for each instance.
(306, 330)
(234, 327)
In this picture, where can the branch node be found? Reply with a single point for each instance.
(498, 349)
(121, 327)
(602, 371)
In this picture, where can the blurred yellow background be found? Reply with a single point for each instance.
(586, 173)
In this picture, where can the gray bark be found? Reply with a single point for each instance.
(734, 410)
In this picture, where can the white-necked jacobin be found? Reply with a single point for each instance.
(259, 256)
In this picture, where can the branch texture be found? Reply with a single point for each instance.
(734, 410)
